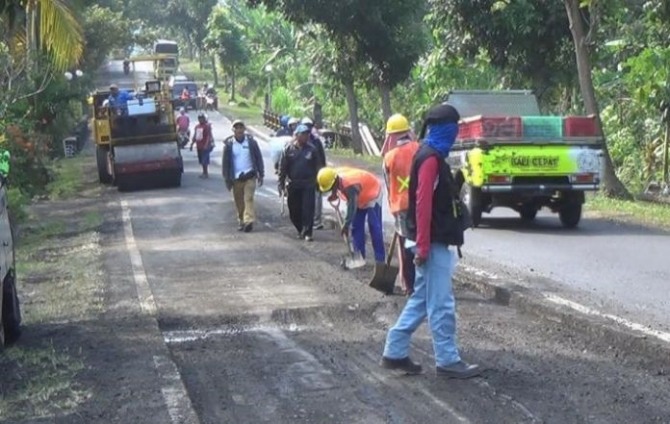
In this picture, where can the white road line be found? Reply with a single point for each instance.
(661, 335)
(175, 395)
(146, 297)
(174, 392)
(186, 336)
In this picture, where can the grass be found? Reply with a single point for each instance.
(68, 179)
(60, 280)
(636, 212)
(42, 385)
(61, 273)
(342, 153)
(192, 70)
(242, 109)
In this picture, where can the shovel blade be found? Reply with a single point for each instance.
(384, 278)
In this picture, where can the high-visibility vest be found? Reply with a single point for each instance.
(370, 186)
(398, 164)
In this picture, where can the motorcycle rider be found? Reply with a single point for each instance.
(211, 98)
(183, 123)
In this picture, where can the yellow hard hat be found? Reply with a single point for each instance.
(326, 179)
(396, 124)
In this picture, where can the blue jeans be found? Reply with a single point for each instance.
(374, 216)
(433, 297)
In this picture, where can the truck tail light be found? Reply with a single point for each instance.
(582, 178)
(500, 179)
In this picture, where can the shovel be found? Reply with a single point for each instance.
(354, 259)
(385, 274)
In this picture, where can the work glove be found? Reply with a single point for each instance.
(419, 261)
(345, 230)
(260, 181)
(280, 190)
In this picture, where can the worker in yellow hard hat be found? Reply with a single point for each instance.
(362, 191)
(397, 128)
(397, 164)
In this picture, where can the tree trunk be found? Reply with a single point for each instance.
(232, 83)
(385, 92)
(352, 102)
(216, 74)
(611, 185)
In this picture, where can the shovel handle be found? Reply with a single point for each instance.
(389, 258)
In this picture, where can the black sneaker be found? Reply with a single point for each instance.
(318, 227)
(248, 227)
(460, 370)
(404, 364)
(309, 238)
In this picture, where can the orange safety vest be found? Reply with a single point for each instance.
(370, 186)
(398, 164)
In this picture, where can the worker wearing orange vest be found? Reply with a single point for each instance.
(397, 165)
(362, 191)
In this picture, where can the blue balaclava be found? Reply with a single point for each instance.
(441, 128)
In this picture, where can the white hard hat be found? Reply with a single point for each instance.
(307, 121)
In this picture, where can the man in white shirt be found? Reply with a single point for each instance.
(243, 170)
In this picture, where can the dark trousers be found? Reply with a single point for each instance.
(301, 202)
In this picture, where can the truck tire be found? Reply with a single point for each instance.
(101, 156)
(472, 197)
(528, 212)
(570, 214)
(11, 311)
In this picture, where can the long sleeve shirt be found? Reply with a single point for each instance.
(427, 180)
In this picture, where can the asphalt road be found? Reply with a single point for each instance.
(262, 327)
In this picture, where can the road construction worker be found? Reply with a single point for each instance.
(362, 191)
(183, 123)
(299, 165)
(284, 129)
(397, 166)
(118, 99)
(434, 224)
(204, 141)
(243, 170)
(293, 124)
(315, 139)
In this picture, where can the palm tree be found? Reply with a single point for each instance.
(48, 26)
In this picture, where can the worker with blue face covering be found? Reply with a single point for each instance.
(434, 224)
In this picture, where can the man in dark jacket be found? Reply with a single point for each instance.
(433, 226)
(300, 165)
(315, 139)
(242, 168)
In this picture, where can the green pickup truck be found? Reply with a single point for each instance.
(509, 155)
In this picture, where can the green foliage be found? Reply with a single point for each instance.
(104, 31)
(226, 39)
